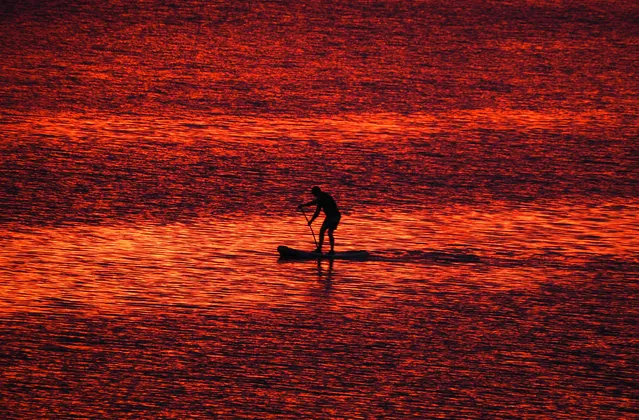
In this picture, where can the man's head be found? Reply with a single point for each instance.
(316, 191)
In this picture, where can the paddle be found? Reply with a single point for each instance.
(308, 222)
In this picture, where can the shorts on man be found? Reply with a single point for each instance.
(331, 222)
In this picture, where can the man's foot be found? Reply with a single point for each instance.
(331, 252)
(319, 250)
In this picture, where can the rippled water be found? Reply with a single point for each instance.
(153, 155)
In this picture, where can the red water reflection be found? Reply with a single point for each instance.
(87, 169)
(153, 154)
(181, 320)
(318, 59)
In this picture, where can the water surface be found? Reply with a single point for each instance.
(153, 155)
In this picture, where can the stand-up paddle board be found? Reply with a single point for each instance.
(287, 253)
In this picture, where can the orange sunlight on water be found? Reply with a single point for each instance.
(136, 318)
(152, 263)
(483, 152)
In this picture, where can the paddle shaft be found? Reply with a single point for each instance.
(309, 225)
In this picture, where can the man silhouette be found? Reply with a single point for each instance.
(324, 202)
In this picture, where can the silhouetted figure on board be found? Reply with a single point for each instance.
(326, 203)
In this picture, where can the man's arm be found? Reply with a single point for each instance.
(310, 203)
(317, 212)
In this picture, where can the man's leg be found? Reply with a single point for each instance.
(331, 239)
(321, 239)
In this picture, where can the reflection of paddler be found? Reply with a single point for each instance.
(326, 203)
